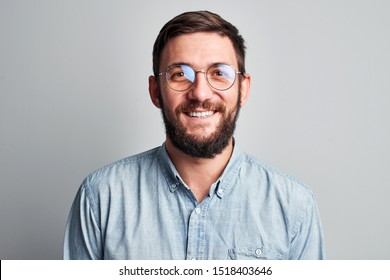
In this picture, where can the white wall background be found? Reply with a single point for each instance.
(73, 97)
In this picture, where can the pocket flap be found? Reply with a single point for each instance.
(254, 252)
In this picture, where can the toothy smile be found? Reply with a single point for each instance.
(201, 114)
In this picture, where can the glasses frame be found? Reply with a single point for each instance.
(199, 71)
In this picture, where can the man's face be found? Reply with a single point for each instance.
(201, 120)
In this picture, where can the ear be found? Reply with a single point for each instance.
(153, 91)
(245, 89)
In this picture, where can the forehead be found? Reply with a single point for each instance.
(199, 50)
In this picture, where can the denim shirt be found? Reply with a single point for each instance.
(140, 208)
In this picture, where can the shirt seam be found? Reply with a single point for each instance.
(93, 203)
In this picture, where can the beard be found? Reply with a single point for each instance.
(200, 146)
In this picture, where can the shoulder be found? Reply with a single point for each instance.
(274, 179)
(126, 169)
(277, 189)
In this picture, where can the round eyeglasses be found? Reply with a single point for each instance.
(181, 77)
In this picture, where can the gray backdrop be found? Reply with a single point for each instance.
(73, 85)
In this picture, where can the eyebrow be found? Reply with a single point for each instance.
(180, 63)
(192, 66)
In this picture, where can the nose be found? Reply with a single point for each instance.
(201, 89)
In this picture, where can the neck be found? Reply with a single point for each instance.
(199, 173)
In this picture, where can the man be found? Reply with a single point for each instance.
(198, 196)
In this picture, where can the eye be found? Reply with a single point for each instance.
(181, 73)
(221, 71)
(177, 74)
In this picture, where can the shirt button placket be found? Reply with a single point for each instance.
(195, 235)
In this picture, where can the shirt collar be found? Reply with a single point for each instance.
(220, 187)
(230, 172)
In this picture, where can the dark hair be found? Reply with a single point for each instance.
(199, 21)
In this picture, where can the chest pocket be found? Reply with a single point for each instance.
(254, 253)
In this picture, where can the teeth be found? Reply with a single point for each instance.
(201, 114)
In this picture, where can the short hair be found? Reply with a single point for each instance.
(198, 21)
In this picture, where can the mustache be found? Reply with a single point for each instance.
(207, 105)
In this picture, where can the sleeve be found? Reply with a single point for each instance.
(308, 241)
(82, 234)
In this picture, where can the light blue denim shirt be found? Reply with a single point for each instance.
(140, 208)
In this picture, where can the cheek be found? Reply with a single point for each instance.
(232, 100)
(169, 102)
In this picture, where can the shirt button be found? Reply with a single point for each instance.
(197, 210)
(258, 252)
(220, 191)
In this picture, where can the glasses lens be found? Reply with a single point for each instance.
(180, 77)
(221, 76)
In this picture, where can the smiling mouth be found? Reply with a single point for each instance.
(201, 114)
